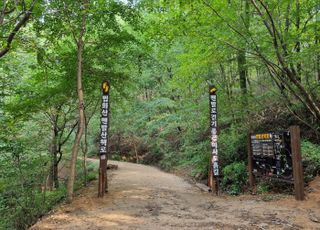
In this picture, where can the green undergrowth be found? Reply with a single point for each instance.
(234, 178)
(23, 202)
(311, 159)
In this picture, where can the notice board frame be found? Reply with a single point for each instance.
(295, 142)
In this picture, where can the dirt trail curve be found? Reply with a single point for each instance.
(142, 197)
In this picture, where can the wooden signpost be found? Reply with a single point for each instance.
(213, 178)
(103, 182)
(277, 155)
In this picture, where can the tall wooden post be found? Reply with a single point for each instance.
(252, 179)
(214, 172)
(210, 174)
(103, 183)
(297, 162)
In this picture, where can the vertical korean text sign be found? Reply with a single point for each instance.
(214, 129)
(104, 120)
(103, 184)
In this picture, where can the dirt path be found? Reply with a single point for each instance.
(142, 197)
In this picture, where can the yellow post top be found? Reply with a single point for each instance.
(105, 87)
(212, 89)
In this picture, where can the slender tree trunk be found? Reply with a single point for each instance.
(119, 142)
(136, 151)
(317, 41)
(318, 68)
(230, 81)
(81, 125)
(85, 152)
(241, 57)
(242, 69)
(228, 87)
(55, 161)
(84, 145)
(298, 44)
(53, 180)
(75, 148)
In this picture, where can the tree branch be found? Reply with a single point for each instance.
(22, 22)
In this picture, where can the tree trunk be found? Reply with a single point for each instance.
(241, 56)
(55, 155)
(298, 44)
(136, 151)
(55, 170)
(85, 152)
(75, 148)
(242, 69)
(53, 180)
(54, 152)
(228, 87)
(317, 41)
(77, 141)
(119, 142)
(318, 68)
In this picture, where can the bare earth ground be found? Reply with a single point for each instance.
(143, 197)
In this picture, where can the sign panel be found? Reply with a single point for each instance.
(271, 154)
(104, 120)
(214, 129)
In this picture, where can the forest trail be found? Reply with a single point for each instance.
(143, 197)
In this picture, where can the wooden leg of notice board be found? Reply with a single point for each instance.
(252, 179)
(297, 162)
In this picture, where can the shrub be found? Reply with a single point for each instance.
(116, 157)
(311, 159)
(263, 187)
(232, 146)
(197, 156)
(234, 178)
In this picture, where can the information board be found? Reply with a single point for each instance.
(271, 154)
(277, 155)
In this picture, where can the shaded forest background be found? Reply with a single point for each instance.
(160, 57)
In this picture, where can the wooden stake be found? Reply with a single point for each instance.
(213, 181)
(106, 176)
(210, 175)
(102, 177)
(297, 162)
(216, 185)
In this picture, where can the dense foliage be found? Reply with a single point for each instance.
(160, 57)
